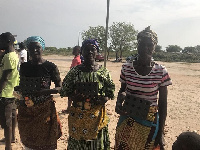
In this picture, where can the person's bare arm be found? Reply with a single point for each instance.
(4, 79)
(57, 88)
(22, 59)
(120, 98)
(50, 91)
(121, 92)
(162, 110)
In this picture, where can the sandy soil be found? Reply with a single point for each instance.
(183, 101)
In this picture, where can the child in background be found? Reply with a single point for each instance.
(76, 61)
(187, 141)
(23, 53)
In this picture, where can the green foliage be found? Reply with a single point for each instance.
(158, 56)
(55, 51)
(51, 49)
(189, 50)
(173, 48)
(112, 54)
(98, 33)
(197, 48)
(176, 57)
(158, 48)
(123, 37)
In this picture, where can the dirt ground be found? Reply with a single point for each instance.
(183, 101)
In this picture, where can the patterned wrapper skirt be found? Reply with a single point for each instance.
(136, 134)
(39, 125)
(88, 129)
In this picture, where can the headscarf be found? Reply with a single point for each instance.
(147, 33)
(90, 42)
(37, 39)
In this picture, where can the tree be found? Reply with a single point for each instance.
(189, 50)
(96, 33)
(158, 48)
(51, 49)
(123, 37)
(64, 49)
(173, 48)
(197, 48)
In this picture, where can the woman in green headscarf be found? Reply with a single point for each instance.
(37, 118)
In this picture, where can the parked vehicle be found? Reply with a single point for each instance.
(99, 57)
(119, 59)
(134, 57)
(131, 58)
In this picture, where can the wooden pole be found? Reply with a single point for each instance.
(106, 46)
(78, 37)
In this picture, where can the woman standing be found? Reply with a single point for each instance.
(142, 113)
(37, 117)
(89, 86)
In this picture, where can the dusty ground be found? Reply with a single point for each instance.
(183, 101)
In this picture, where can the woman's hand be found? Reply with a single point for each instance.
(160, 141)
(56, 90)
(17, 95)
(118, 109)
(120, 99)
(77, 97)
(47, 91)
(102, 100)
(44, 92)
(17, 88)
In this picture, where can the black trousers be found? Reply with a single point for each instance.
(7, 111)
(8, 120)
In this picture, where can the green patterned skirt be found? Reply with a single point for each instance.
(101, 143)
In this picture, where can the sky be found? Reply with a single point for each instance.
(60, 22)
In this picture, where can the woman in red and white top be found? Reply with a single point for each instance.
(144, 79)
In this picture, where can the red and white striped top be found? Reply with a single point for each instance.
(147, 86)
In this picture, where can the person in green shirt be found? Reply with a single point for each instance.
(9, 78)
